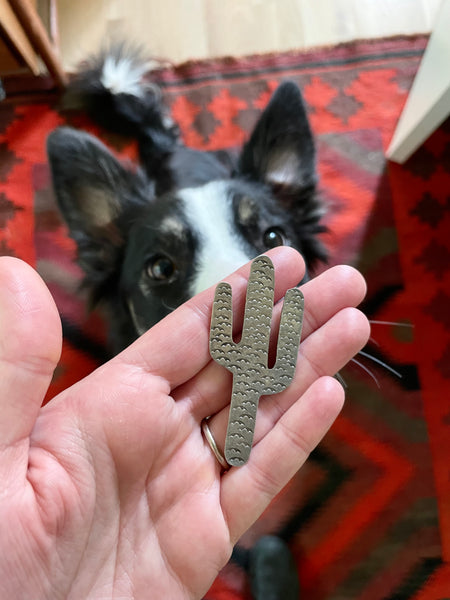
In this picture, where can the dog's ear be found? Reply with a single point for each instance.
(280, 151)
(93, 190)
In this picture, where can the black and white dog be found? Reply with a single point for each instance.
(152, 236)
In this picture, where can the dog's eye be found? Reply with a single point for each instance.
(274, 236)
(160, 268)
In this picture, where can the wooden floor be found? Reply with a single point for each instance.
(180, 30)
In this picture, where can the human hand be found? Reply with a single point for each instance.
(110, 490)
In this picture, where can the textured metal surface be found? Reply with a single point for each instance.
(248, 358)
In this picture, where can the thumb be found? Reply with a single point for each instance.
(30, 347)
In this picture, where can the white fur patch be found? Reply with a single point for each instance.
(123, 76)
(222, 249)
(284, 169)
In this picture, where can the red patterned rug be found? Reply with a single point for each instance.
(369, 517)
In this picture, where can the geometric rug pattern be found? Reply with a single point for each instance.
(369, 516)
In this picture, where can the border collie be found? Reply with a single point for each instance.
(151, 236)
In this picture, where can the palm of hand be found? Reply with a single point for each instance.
(153, 482)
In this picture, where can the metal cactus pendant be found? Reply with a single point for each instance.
(248, 358)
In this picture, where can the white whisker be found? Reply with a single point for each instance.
(399, 323)
(368, 371)
(380, 362)
(168, 306)
(341, 380)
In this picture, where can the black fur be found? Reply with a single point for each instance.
(115, 211)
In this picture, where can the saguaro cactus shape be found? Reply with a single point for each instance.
(248, 358)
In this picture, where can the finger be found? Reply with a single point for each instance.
(325, 296)
(188, 326)
(333, 290)
(30, 347)
(323, 353)
(247, 491)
